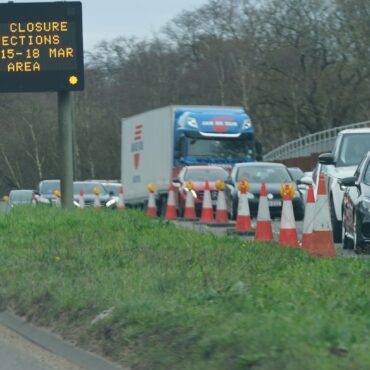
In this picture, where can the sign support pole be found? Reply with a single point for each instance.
(65, 121)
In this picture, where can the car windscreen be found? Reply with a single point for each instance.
(113, 188)
(229, 149)
(48, 187)
(258, 174)
(353, 148)
(206, 175)
(88, 188)
(296, 173)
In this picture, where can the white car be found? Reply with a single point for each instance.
(349, 149)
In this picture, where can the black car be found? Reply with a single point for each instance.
(356, 208)
(273, 175)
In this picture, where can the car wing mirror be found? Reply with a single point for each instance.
(326, 158)
(347, 181)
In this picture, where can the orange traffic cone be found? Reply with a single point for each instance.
(96, 201)
(207, 208)
(34, 199)
(189, 212)
(222, 217)
(322, 235)
(171, 206)
(243, 219)
(309, 216)
(81, 199)
(288, 232)
(263, 225)
(121, 199)
(151, 210)
(58, 196)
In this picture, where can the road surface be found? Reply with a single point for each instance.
(17, 353)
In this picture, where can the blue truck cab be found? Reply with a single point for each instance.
(213, 135)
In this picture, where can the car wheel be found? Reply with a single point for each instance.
(336, 224)
(347, 243)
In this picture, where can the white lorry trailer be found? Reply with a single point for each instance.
(156, 144)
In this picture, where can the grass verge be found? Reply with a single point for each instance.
(153, 296)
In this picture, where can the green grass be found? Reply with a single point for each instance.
(183, 300)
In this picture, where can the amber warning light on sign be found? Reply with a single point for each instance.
(41, 47)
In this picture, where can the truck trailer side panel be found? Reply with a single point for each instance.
(147, 152)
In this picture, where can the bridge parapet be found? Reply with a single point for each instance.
(306, 146)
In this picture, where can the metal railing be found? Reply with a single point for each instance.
(319, 142)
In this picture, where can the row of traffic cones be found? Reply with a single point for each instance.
(317, 232)
(221, 217)
(317, 236)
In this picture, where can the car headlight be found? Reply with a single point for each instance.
(111, 203)
(365, 205)
(247, 123)
(192, 122)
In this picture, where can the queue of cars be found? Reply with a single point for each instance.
(47, 193)
(257, 172)
(272, 174)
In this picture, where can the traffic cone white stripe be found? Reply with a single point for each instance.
(264, 224)
(34, 199)
(243, 219)
(287, 215)
(97, 201)
(263, 209)
(322, 234)
(222, 216)
(288, 232)
(152, 208)
(207, 208)
(81, 200)
(243, 206)
(171, 213)
(189, 206)
(309, 216)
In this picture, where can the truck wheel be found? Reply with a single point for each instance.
(336, 224)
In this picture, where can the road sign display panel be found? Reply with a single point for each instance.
(41, 47)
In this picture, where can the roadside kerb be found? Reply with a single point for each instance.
(52, 343)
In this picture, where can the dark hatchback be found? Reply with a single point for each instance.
(273, 175)
(356, 208)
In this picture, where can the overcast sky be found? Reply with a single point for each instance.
(107, 19)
